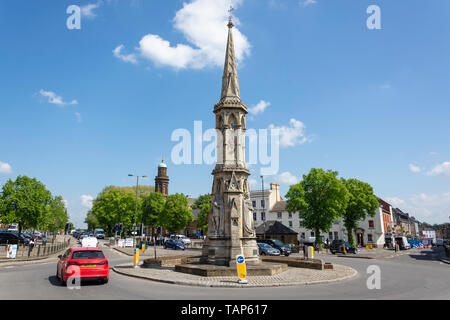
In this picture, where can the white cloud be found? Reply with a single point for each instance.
(396, 202)
(87, 10)
(442, 169)
(432, 208)
(414, 168)
(79, 118)
(126, 58)
(252, 182)
(158, 50)
(259, 108)
(5, 168)
(306, 3)
(86, 201)
(286, 178)
(203, 24)
(66, 203)
(432, 153)
(293, 135)
(55, 99)
(385, 86)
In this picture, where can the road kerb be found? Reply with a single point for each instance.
(235, 285)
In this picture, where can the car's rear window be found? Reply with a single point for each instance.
(88, 255)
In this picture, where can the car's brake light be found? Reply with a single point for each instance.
(72, 263)
(103, 262)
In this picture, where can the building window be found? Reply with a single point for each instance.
(303, 235)
(263, 203)
(254, 216)
(290, 224)
(330, 236)
(300, 224)
(254, 204)
(369, 238)
(279, 215)
(263, 216)
(371, 225)
(336, 235)
(312, 233)
(290, 215)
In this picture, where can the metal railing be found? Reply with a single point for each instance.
(38, 250)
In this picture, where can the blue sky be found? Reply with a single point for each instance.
(80, 109)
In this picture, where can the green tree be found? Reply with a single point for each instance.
(152, 209)
(114, 207)
(55, 217)
(144, 191)
(24, 201)
(203, 203)
(319, 198)
(91, 221)
(177, 213)
(362, 202)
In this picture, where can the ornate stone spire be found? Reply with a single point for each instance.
(230, 82)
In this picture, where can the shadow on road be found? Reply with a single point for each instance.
(54, 281)
(427, 255)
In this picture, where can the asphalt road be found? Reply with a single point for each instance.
(411, 276)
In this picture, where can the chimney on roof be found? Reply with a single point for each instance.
(275, 192)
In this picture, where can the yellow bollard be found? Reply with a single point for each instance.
(136, 257)
(143, 247)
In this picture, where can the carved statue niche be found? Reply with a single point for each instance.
(248, 222)
(217, 186)
(217, 216)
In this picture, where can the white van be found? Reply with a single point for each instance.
(99, 233)
(403, 243)
(89, 242)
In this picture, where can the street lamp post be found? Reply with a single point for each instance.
(135, 211)
(263, 203)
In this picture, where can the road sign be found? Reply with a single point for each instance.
(241, 268)
(129, 242)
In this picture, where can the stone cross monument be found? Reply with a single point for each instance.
(231, 228)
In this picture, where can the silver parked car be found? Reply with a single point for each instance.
(267, 250)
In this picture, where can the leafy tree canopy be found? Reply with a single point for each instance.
(114, 207)
(152, 209)
(203, 203)
(362, 202)
(177, 213)
(319, 198)
(24, 201)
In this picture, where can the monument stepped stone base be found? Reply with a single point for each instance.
(209, 270)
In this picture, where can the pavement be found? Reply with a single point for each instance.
(291, 277)
(363, 253)
(409, 276)
(160, 252)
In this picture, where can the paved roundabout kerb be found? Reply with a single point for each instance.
(291, 277)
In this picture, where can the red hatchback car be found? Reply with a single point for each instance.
(84, 263)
